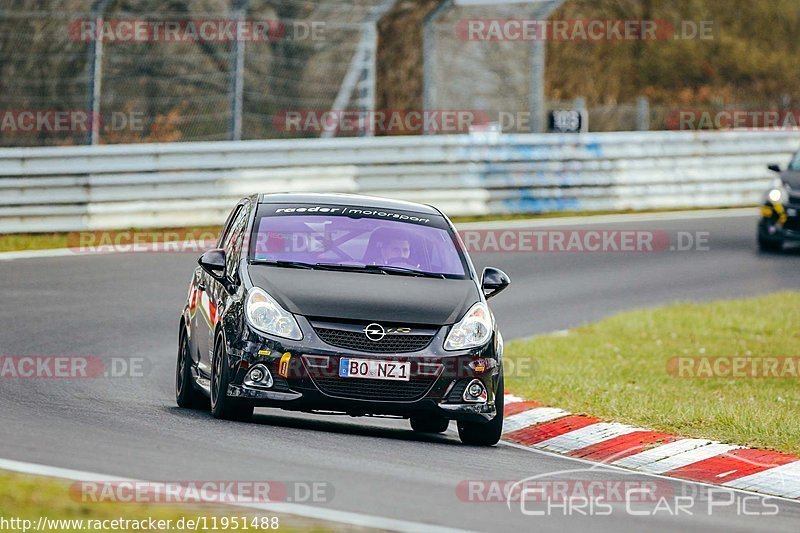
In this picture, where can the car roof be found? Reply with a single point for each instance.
(359, 200)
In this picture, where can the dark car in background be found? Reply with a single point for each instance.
(780, 212)
(347, 304)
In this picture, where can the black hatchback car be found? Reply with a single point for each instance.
(347, 304)
(780, 212)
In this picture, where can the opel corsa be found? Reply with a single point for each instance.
(348, 304)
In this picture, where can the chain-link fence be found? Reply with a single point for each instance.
(193, 70)
(167, 71)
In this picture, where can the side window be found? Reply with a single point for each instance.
(226, 231)
(234, 239)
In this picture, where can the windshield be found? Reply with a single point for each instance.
(356, 237)
(795, 164)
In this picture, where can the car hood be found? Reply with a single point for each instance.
(362, 296)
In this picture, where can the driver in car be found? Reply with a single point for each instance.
(391, 248)
(394, 250)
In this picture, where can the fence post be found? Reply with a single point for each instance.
(237, 74)
(538, 102)
(96, 71)
(538, 105)
(362, 72)
(642, 113)
(429, 56)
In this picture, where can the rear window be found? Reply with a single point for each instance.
(354, 235)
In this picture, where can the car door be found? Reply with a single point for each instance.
(216, 292)
(202, 325)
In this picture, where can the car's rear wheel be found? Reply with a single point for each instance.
(429, 424)
(186, 395)
(488, 433)
(222, 405)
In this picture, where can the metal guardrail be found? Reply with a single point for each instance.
(152, 185)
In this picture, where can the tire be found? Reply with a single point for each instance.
(488, 433)
(429, 424)
(186, 395)
(770, 246)
(223, 406)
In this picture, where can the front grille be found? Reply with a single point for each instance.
(457, 392)
(357, 340)
(375, 389)
(279, 383)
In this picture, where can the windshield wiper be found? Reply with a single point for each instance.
(344, 267)
(408, 271)
(284, 264)
(347, 267)
(382, 269)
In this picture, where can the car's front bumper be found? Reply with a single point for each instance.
(305, 375)
(780, 222)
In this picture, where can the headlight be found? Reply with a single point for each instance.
(473, 330)
(265, 314)
(778, 194)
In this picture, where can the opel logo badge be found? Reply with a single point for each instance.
(374, 332)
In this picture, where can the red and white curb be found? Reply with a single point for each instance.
(555, 430)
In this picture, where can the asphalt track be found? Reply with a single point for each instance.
(127, 305)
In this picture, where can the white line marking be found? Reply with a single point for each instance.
(783, 479)
(510, 398)
(36, 254)
(531, 417)
(724, 474)
(589, 220)
(658, 453)
(595, 465)
(332, 515)
(171, 247)
(585, 436)
(674, 455)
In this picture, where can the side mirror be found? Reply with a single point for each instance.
(773, 167)
(494, 281)
(213, 262)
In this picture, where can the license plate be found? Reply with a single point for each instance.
(373, 369)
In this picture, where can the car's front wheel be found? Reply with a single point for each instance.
(186, 395)
(488, 433)
(222, 405)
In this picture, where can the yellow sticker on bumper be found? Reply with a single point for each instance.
(283, 367)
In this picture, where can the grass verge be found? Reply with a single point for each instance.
(626, 369)
(27, 497)
(13, 242)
